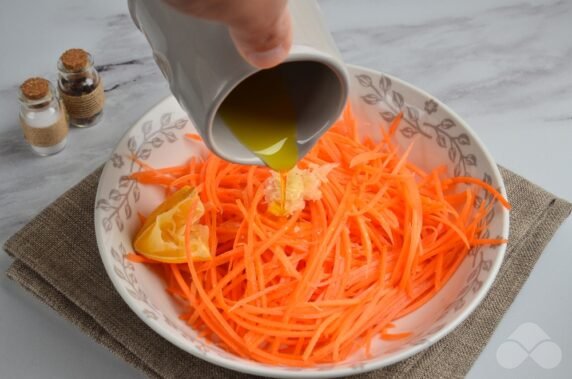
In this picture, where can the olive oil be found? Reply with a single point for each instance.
(260, 112)
(283, 183)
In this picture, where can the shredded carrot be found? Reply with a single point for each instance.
(490, 189)
(141, 217)
(194, 137)
(137, 258)
(318, 285)
(395, 336)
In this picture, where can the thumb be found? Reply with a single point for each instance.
(264, 43)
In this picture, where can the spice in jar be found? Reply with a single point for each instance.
(42, 117)
(80, 88)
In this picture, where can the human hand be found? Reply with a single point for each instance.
(260, 29)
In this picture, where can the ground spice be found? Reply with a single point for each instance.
(80, 87)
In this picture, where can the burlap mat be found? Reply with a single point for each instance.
(57, 260)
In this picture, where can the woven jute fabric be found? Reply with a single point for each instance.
(84, 106)
(57, 260)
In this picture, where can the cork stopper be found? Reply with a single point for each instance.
(75, 60)
(35, 88)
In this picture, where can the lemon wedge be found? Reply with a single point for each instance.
(162, 236)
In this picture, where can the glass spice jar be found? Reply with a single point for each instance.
(42, 117)
(80, 88)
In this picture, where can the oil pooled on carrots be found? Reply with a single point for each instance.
(260, 112)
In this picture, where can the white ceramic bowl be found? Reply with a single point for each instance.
(443, 138)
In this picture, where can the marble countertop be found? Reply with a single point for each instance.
(504, 66)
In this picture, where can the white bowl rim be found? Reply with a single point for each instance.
(247, 367)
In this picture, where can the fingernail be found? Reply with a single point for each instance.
(268, 58)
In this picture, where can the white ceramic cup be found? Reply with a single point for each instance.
(202, 65)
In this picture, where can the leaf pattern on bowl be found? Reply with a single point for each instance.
(125, 271)
(117, 201)
(442, 132)
(119, 205)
